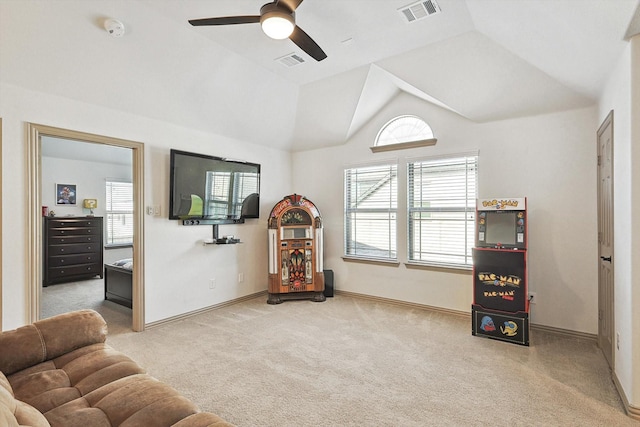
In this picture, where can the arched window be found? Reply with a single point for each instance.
(404, 132)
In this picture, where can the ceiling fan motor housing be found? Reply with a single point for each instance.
(277, 22)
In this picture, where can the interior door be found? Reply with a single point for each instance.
(605, 239)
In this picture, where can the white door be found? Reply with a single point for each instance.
(605, 239)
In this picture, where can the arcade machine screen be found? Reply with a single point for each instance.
(501, 228)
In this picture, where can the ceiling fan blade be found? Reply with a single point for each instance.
(292, 5)
(225, 20)
(307, 44)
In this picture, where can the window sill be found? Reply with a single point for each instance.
(404, 145)
(119, 246)
(460, 269)
(388, 263)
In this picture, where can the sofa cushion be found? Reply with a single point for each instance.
(16, 413)
(49, 338)
(136, 400)
(68, 377)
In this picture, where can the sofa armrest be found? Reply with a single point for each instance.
(49, 338)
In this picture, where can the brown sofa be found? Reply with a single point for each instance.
(59, 372)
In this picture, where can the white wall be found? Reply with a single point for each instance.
(549, 159)
(177, 267)
(617, 97)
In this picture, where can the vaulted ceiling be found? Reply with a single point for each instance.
(483, 59)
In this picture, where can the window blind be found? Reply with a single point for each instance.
(119, 213)
(441, 212)
(370, 211)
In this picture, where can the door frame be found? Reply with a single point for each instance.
(34, 214)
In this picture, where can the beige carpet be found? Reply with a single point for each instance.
(355, 362)
(65, 297)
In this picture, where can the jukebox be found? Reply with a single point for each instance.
(295, 251)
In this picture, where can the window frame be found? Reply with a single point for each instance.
(471, 160)
(404, 142)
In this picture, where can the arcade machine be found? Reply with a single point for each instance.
(500, 307)
(295, 251)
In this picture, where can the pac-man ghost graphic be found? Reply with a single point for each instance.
(509, 329)
(487, 325)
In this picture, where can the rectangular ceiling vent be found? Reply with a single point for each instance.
(420, 10)
(290, 60)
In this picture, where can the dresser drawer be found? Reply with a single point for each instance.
(75, 231)
(71, 222)
(71, 260)
(59, 240)
(73, 248)
(75, 270)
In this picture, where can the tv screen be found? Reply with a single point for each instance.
(212, 188)
(501, 228)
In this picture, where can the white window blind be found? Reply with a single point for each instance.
(119, 213)
(370, 212)
(441, 214)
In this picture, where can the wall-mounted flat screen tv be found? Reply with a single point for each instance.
(213, 188)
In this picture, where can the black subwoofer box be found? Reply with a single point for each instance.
(328, 283)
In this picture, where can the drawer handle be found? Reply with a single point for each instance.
(62, 250)
(62, 261)
(89, 239)
(61, 271)
(62, 232)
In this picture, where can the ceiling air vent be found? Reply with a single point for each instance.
(419, 10)
(290, 60)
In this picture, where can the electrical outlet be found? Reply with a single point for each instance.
(240, 277)
(156, 210)
(149, 210)
(532, 298)
(618, 340)
(212, 283)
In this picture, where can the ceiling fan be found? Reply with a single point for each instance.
(278, 21)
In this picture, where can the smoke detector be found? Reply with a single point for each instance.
(114, 27)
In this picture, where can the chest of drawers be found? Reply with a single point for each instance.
(72, 249)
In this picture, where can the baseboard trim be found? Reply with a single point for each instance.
(551, 329)
(632, 411)
(404, 303)
(565, 332)
(203, 310)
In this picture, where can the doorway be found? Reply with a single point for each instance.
(35, 135)
(605, 240)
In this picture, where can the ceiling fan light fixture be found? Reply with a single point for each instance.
(277, 25)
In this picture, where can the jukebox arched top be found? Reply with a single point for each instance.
(295, 210)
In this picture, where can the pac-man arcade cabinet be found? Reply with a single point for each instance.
(500, 307)
(295, 251)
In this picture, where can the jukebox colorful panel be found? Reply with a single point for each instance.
(295, 251)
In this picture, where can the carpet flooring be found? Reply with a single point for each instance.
(355, 362)
(65, 297)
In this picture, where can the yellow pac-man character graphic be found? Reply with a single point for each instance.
(509, 329)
